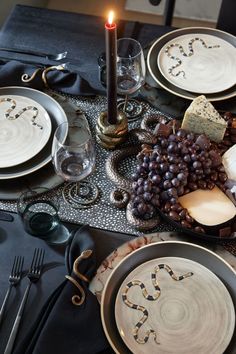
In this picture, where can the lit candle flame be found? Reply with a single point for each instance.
(110, 17)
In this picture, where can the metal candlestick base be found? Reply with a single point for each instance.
(110, 135)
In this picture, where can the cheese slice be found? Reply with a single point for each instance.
(208, 207)
(229, 162)
(202, 118)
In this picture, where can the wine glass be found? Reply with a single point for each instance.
(130, 75)
(73, 157)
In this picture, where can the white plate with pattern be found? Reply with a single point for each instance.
(161, 81)
(57, 116)
(180, 302)
(170, 302)
(198, 62)
(25, 129)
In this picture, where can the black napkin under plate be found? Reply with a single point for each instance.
(63, 327)
(65, 81)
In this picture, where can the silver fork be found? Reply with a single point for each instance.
(33, 275)
(14, 279)
(57, 56)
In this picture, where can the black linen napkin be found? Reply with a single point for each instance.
(63, 327)
(52, 31)
(65, 81)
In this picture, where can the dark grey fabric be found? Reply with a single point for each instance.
(14, 241)
(52, 31)
(62, 81)
(63, 327)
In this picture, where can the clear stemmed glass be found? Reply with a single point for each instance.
(73, 157)
(130, 74)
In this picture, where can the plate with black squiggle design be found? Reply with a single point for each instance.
(187, 297)
(171, 302)
(25, 129)
(198, 62)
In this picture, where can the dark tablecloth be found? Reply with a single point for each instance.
(82, 36)
(15, 241)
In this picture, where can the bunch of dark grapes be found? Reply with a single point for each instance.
(178, 164)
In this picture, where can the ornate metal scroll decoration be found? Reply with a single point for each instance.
(78, 300)
(145, 294)
(80, 195)
(17, 115)
(184, 54)
(28, 78)
(139, 138)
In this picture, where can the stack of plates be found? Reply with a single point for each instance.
(194, 314)
(193, 61)
(26, 138)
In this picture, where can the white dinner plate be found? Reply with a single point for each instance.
(186, 251)
(158, 311)
(25, 129)
(198, 62)
(57, 116)
(160, 80)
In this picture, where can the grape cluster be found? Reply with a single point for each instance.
(179, 163)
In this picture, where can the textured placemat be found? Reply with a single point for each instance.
(102, 214)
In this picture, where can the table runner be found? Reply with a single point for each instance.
(102, 214)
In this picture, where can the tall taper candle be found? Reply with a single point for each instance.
(111, 52)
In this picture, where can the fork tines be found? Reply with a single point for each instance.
(14, 280)
(37, 261)
(17, 267)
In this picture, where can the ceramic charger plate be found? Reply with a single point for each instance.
(25, 129)
(204, 259)
(198, 62)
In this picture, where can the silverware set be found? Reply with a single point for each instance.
(34, 274)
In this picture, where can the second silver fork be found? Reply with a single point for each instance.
(33, 275)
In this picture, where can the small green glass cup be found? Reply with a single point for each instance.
(40, 216)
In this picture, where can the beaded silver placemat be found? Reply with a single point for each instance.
(102, 214)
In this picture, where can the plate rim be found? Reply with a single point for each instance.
(48, 122)
(185, 94)
(162, 52)
(47, 159)
(126, 259)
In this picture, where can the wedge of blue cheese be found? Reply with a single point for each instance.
(202, 118)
